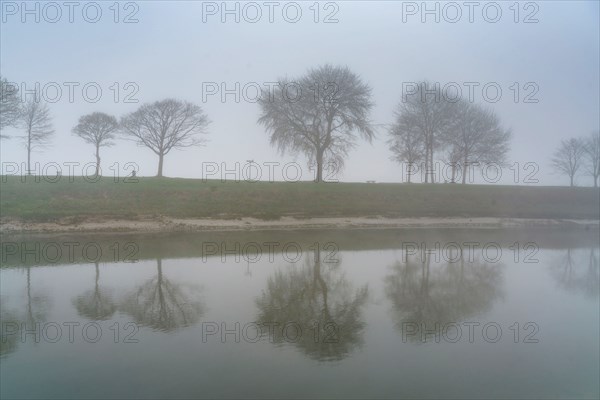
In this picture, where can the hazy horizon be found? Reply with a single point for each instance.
(172, 52)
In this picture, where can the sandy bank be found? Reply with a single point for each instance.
(166, 224)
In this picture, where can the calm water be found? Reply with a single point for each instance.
(363, 314)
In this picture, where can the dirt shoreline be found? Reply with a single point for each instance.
(167, 224)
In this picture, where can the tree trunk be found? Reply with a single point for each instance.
(29, 153)
(29, 308)
(595, 181)
(409, 172)
(319, 177)
(160, 165)
(427, 162)
(97, 160)
(571, 176)
(431, 170)
(465, 171)
(453, 179)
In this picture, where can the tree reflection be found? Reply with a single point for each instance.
(14, 321)
(162, 304)
(576, 272)
(36, 305)
(319, 301)
(427, 297)
(96, 304)
(9, 332)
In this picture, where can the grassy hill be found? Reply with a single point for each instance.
(193, 198)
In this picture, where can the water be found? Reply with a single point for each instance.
(341, 314)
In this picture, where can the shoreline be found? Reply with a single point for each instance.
(168, 224)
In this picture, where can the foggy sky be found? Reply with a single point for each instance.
(170, 52)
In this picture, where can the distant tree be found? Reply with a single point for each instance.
(475, 136)
(9, 105)
(165, 125)
(407, 144)
(425, 110)
(97, 129)
(35, 119)
(319, 115)
(592, 155)
(568, 158)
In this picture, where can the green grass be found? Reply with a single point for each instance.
(192, 198)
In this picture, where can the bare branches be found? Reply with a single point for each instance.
(406, 143)
(568, 158)
(35, 119)
(592, 155)
(166, 125)
(9, 105)
(97, 129)
(321, 115)
(424, 112)
(427, 121)
(474, 136)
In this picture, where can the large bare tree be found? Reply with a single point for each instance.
(9, 105)
(97, 129)
(36, 120)
(592, 155)
(425, 110)
(474, 136)
(319, 115)
(568, 158)
(165, 125)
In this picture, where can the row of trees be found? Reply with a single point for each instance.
(576, 155)
(320, 115)
(161, 126)
(429, 122)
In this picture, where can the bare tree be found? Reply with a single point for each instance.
(320, 115)
(165, 125)
(568, 158)
(9, 105)
(97, 129)
(592, 155)
(425, 110)
(406, 144)
(36, 121)
(475, 136)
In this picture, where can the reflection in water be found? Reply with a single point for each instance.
(426, 297)
(12, 321)
(36, 305)
(95, 304)
(162, 304)
(10, 324)
(320, 300)
(577, 272)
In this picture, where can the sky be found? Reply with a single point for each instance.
(543, 56)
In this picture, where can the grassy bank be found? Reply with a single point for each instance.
(190, 198)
